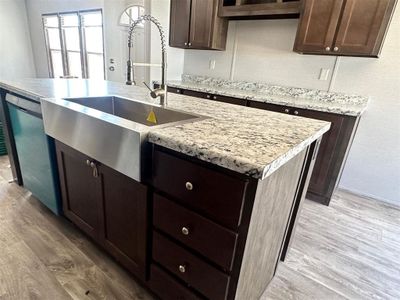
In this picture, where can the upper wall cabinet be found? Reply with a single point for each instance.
(244, 9)
(343, 27)
(194, 24)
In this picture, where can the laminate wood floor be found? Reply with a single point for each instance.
(350, 250)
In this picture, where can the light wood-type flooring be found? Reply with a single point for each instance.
(350, 250)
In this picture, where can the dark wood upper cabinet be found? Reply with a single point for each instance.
(179, 23)
(107, 205)
(316, 31)
(343, 27)
(194, 24)
(363, 26)
(245, 9)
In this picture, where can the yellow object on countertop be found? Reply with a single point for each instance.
(152, 117)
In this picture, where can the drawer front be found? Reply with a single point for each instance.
(167, 288)
(206, 279)
(202, 235)
(217, 196)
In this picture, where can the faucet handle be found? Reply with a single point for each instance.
(153, 94)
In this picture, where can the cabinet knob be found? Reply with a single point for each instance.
(94, 168)
(185, 231)
(186, 43)
(215, 97)
(336, 49)
(296, 112)
(328, 48)
(178, 91)
(287, 110)
(182, 268)
(88, 162)
(189, 44)
(189, 186)
(208, 96)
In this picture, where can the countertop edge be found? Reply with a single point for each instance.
(259, 172)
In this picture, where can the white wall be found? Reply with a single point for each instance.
(175, 59)
(16, 58)
(261, 50)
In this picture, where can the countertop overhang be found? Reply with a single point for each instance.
(250, 141)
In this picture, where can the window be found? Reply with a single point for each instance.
(74, 43)
(131, 14)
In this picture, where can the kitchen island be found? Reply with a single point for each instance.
(217, 206)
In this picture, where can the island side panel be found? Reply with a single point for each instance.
(302, 187)
(271, 211)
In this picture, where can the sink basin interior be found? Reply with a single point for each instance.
(132, 110)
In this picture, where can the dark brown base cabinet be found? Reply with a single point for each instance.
(195, 231)
(108, 206)
(334, 147)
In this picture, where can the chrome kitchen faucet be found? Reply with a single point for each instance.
(162, 90)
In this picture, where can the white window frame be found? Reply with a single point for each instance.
(64, 52)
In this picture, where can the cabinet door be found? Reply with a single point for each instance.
(81, 191)
(363, 26)
(317, 27)
(125, 217)
(323, 176)
(179, 23)
(201, 23)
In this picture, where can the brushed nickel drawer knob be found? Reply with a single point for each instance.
(296, 112)
(328, 48)
(185, 43)
(185, 231)
(208, 96)
(178, 91)
(287, 110)
(336, 49)
(182, 268)
(189, 186)
(215, 97)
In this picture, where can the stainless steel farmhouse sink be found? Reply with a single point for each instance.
(112, 130)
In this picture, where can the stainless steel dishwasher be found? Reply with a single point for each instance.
(35, 150)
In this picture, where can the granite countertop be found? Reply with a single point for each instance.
(246, 140)
(338, 103)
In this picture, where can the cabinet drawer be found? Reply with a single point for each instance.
(167, 288)
(212, 193)
(206, 279)
(202, 235)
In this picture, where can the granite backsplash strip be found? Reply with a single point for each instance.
(352, 105)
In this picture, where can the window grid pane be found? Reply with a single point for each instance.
(90, 63)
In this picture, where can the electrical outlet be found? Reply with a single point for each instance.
(324, 74)
(211, 64)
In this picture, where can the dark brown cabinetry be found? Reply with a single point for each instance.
(334, 146)
(108, 206)
(343, 27)
(206, 219)
(332, 152)
(194, 24)
(241, 9)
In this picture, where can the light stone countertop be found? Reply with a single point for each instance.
(338, 103)
(246, 140)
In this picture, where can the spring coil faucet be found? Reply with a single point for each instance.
(160, 92)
